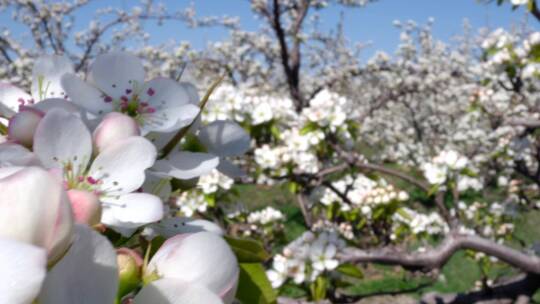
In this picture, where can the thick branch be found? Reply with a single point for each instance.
(437, 257)
(516, 290)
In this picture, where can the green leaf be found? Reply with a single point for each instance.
(253, 285)
(192, 144)
(309, 127)
(318, 289)
(247, 250)
(350, 270)
(433, 190)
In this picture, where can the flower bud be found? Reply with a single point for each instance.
(202, 258)
(86, 207)
(22, 126)
(129, 270)
(113, 128)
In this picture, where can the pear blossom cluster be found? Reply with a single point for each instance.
(73, 168)
(307, 257)
(363, 193)
(442, 165)
(418, 223)
(265, 216)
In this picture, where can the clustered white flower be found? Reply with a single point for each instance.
(430, 224)
(364, 193)
(307, 257)
(448, 161)
(265, 216)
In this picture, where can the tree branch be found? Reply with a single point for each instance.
(437, 257)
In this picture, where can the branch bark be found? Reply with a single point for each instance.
(437, 257)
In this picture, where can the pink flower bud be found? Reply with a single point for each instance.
(23, 125)
(113, 128)
(86, 207)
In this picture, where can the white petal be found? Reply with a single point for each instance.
(192, 92)
(47, 71)
(158, 186)
(54, 103)
(22, 125)
(170, 227)
(121, 166)
(11, 97)
(31, 206)
(171, 102)
(87, 274)
(169, 119)
(173, 291)
(62, 137)
(16, 155)
(203, 258)
(231, 170)
(225, 138)
(85, 95)
(186, 165)
(116, 72)
(23, 268)
(160, 139)
(132, 210)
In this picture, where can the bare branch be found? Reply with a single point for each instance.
(437, 257)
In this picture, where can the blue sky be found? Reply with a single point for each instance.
(372, 23)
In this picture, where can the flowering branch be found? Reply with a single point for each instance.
(437, 257)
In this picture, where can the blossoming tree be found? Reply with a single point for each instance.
(123, 183)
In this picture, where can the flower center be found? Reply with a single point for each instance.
(133, 103)
(76, 177)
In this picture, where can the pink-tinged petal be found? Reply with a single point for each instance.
(11, 98)
(116, 72)
(131, 210)
(87, 274)
(231, 170)
(203, 258)
(47, 71)
(170, 227)
(121, 166)
(62, 137)
(32, 208)
(173, 291)
(63, 231)
(23, 125)
(54, 103)
(86, 207)
(225, 138)
(16, 155)
(185, 165)
(85, 95)
(113, 128)
(23, 269)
